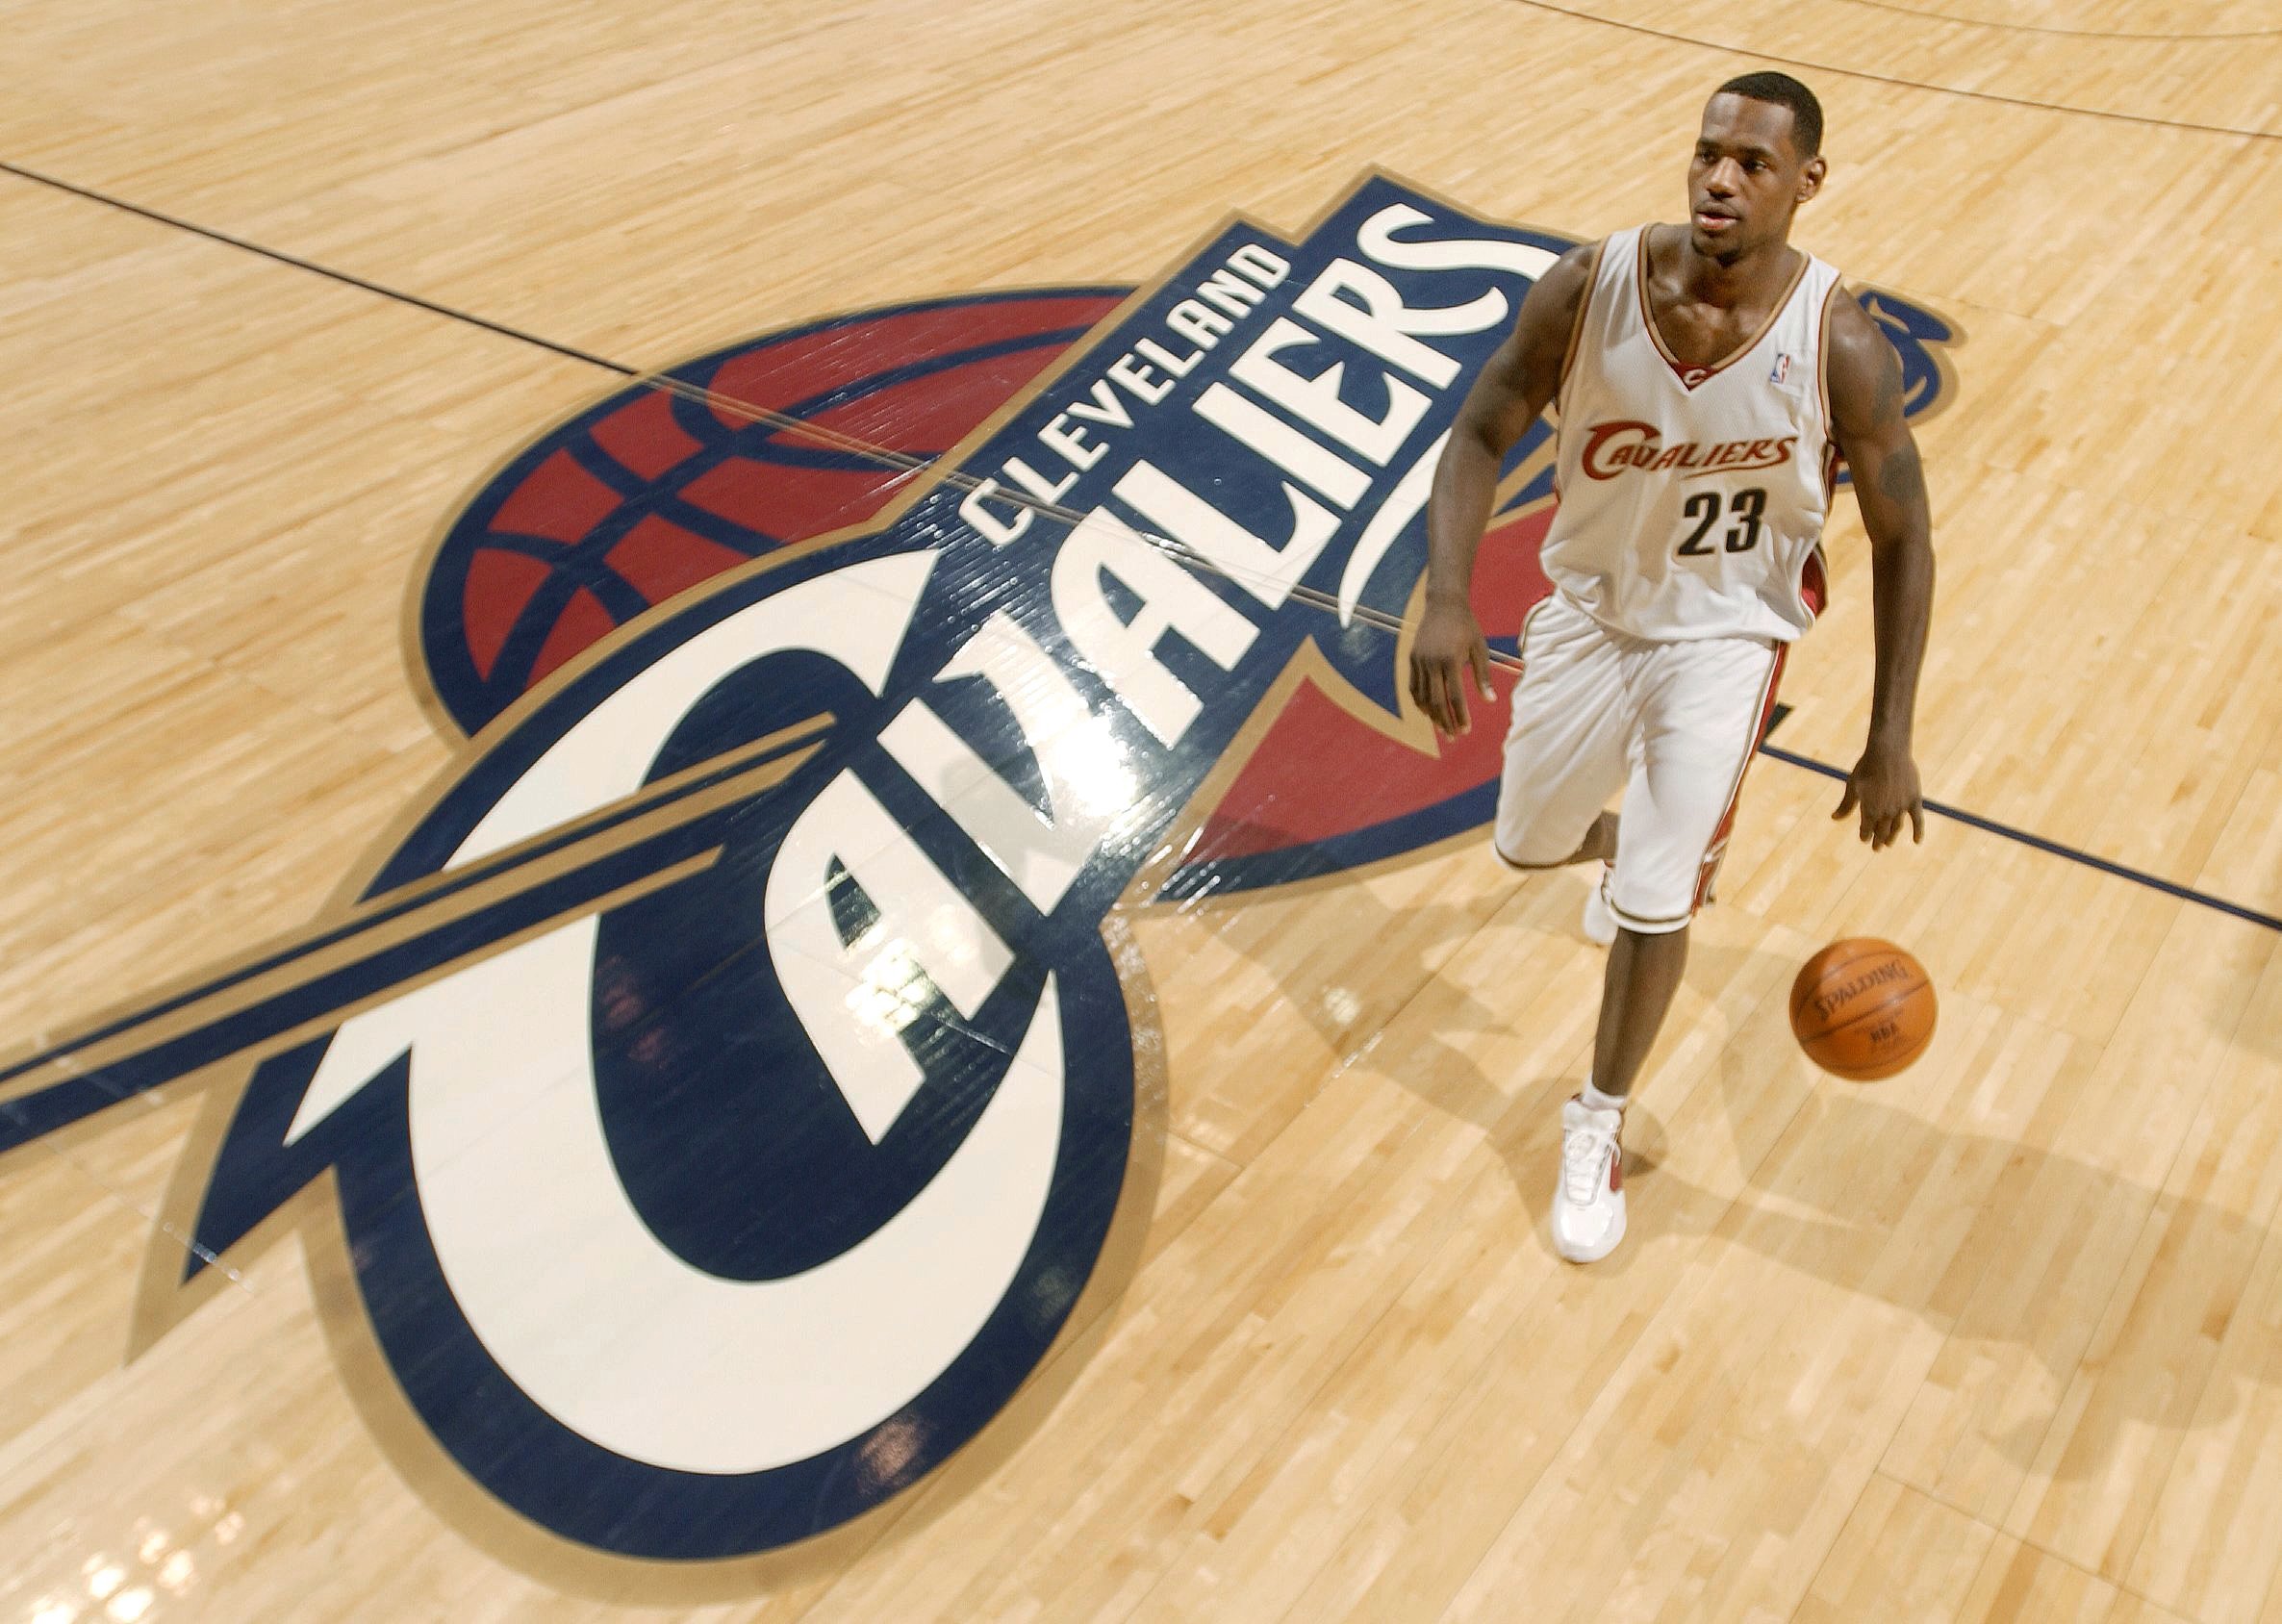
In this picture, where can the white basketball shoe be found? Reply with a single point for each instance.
(1588, 1207)
(1600, 924)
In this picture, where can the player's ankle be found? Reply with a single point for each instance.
(1599, 1100)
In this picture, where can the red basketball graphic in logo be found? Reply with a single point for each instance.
(654, 491)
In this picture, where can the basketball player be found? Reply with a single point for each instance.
(1708, 378)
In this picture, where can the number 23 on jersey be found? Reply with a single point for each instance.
(1745, 506)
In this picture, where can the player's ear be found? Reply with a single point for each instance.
(1810, 177)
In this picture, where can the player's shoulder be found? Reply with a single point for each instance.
(1585, 255)
(1571, 274)
(1853, 337)
(1562, 288)
(1860, 364)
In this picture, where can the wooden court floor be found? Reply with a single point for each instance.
(284, 287)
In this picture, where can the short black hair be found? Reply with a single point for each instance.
(1782, 90)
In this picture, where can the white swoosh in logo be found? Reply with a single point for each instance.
(636, 1349)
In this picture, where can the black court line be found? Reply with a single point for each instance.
(1989, 826)
(2067, 32)
(1907, 84)
(570, 351)
(1974, 820)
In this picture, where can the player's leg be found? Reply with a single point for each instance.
(1565, 749)
(1703, 706)
(1643, 973)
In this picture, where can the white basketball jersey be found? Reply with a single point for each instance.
(1692, 498)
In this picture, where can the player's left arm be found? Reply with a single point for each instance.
(1873, 436)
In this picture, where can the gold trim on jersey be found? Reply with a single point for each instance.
(1691, 379)
(1592, 286)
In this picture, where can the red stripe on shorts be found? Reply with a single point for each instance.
(1727, 819)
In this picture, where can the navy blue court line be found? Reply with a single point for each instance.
(1989, 826)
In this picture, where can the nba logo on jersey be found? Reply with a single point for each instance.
(741, 1097)
(1782, 370)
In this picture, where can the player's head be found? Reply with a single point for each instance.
(1758, 157)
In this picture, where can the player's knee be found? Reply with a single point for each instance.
(1650, 928)
(1525, 865)
(1530, 844)
(1649, 910)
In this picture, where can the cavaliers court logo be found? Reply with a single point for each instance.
(719, 1094)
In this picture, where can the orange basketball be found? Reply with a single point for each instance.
(1862, 1009)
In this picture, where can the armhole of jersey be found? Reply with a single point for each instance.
(1822, 357)
(1592, 286)
(1822, 389)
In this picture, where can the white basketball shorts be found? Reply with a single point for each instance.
(1673, 725)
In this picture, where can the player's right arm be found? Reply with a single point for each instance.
(1518, 382)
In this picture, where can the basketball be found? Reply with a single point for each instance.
(1862, 1009)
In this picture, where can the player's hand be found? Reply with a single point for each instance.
(1450, 648)
(1883, 785)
